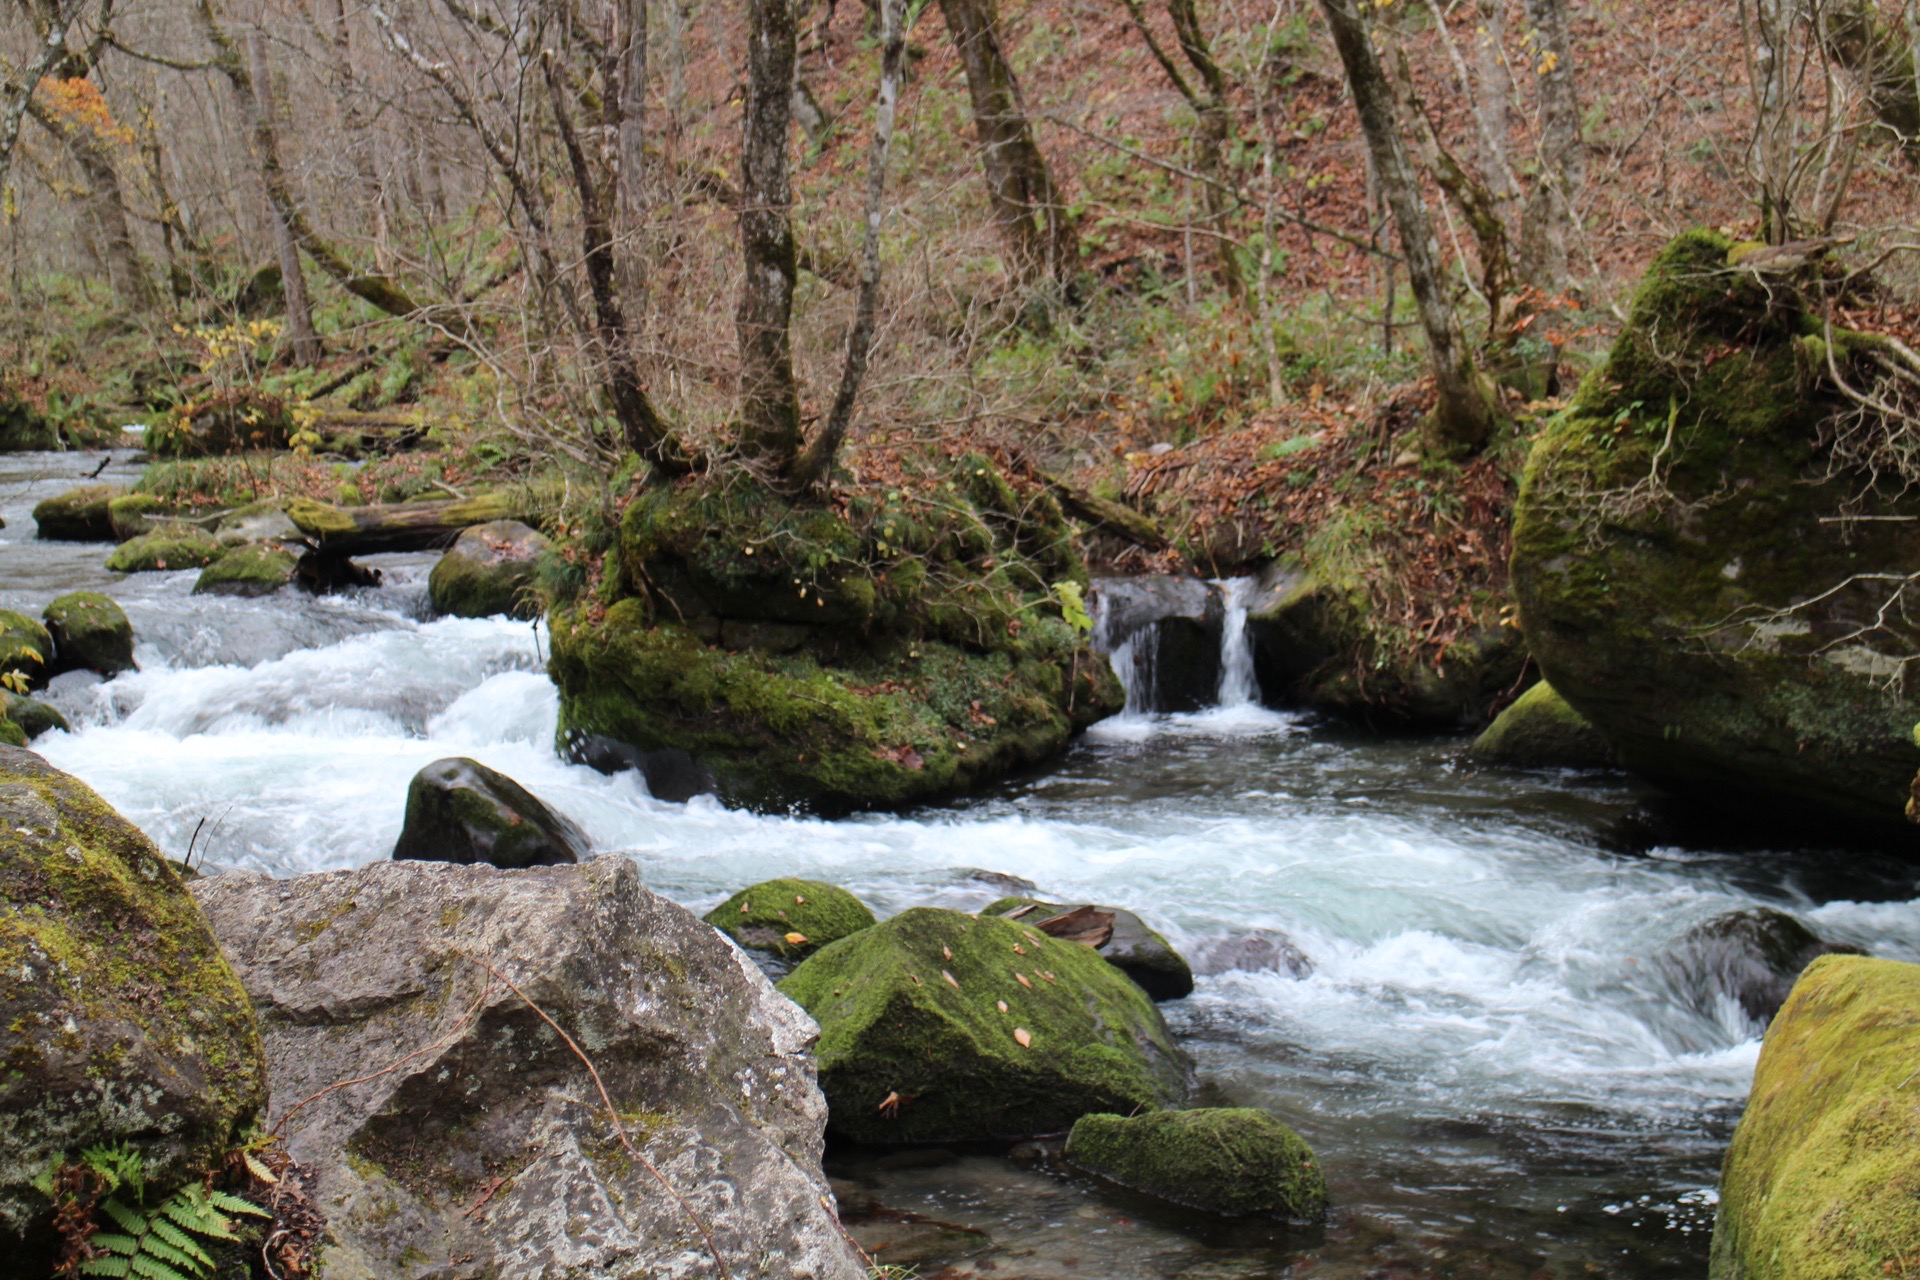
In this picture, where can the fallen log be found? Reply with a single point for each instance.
(401, 526)
(1105, 515)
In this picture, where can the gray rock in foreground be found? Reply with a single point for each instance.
(474, 1132)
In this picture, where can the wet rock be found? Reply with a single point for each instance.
(1226, 1160)
(1000, 881)
(119, 1019)
(1540, 731)
(1131, 947)
(90, 633)
(324, 573)
(26, 648)
(78, 515)
(790, 918)
(940, 1026)
(671, 775)
(132, 514)
(458, 810)
(475, 1133)
(1173, 626)
(1821, 1179)
(256, 522)
(902, 1239)
(31, 716)
(1253, 952)
(258, 569)
(169, 547)
(1753, 957)
(490, 569)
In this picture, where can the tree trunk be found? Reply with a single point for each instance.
(106, 206)
(630, 144)
(1548, 223)
(16, 93)
(303, 343)
(1464, 417)
(358, 142)
(1026, 206)
(1882, 57)
(769, 399)
(400, 526)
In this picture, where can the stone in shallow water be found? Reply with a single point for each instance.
(258, 569)
(78, 515)
(490, 569)
(1257, 951)
(1132, 947)
(790, 918)
(1228, 1160)
(458, 810)
(1752, 957)
(90, 633)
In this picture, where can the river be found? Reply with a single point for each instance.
(1499, 1075)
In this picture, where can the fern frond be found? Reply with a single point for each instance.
(258, 1169)
(125, 1246)
(149, 1267)
(189, 1264)
(180, 1240)
(131, 1221)
(234, 1204)
(189, 1209)
(104, 1267)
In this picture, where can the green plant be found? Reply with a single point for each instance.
(164, 1241)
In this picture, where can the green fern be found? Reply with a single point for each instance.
(165, 1242)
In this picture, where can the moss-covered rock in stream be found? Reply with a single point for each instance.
(90, 633)
(938, 1026)
(120, 1021)
(132, 514)
(897, 651)
(259, 569)
(1822, 1181)
(1132, 946)
(490, 569)
(31, 716)
(26, 648)
(78, 515)
(459, 810)
(1540, 731)
(176, 546)
(1226, 1160)
(790, 918)
(1681, 574)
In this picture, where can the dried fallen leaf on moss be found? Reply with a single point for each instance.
(1024, 1037)
(951, 980)
(796, 939)
(1021, 978)
(1002, 1004)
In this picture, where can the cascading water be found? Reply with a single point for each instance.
(1238, 688)
(1499, 1073)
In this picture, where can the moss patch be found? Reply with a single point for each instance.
(26, 648)
(78, 515)
(1229, 1160)
(892, 1026)
(31, 716)
(256, 570)
(1541, 731)
(90, 633)
(168, 547)
(767, 915)
(1822, 1181)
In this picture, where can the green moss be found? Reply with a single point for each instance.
(892, 1024)
(78, 515)
(26, 648)
(133, 514)
(256, 570)
(1822, 1181)
(1230, 1160)
(767, 914)
(31, 716)
(1541, 731)
(11, 734)
(168, 547)
(90, 632)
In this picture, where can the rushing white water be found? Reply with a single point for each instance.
(1238, 687)
(1487, 1033)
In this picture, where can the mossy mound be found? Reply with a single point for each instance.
(1134, 947)
(1540, 731)
(1680, 576)
(78, 515)
(490, 569)
(770, 915)
(120, 1020)
(132, 514)
(90, 633)
(901, 650)
(168, 547)
(257, 570)
(31, 716)
(938, 1026)
(1227, 1160)
(1822, 1181)
(26, 648)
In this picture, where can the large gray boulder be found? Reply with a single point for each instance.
(443, 1118)
(490, 569)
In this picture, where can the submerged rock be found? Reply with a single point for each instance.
(167, 547)
(1124, 941)
(1252, 952)
(90, 633)
(1226, 1160)
(119, 1019)
(1681, 575)
(32, 716)
(1540, 731)
(790, 918)
(670, 774)
(474, 1131)
(258, 569)
(1752, 957)
(26, 648)
(1822, 1180)
(490, 569)
(939, 1026)
(78, 515)
(458, 810)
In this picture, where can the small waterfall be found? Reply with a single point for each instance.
(1238, 687)
(1132, 658)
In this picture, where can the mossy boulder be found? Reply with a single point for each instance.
(31, 716)
(259, 569)
(120, 1020)
(78, 515)
(11, 734)
(458, 810)
(1680, 571)
(1822, 1181)
(770, 915)
(1540, 731)
(26, 648)
(1132, 946)
(132, 514)
(1751, 957)
(1227, 1160)
(169, 547)
(899, 651)
(490, 569)
(90, 633)
(256, 522)
(937, 1026)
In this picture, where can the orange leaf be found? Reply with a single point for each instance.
(1024, 1037)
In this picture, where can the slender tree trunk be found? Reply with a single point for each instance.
(769, 398)
(17, 92)
(817, 463)
(358, 141)
(1548, 223)
(1464, 416)
(1881, 56)
(303, 343)
(1026, 205)
(630, 144)
(105, 203)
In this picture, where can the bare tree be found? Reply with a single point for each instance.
(54, 19)
(769, 397)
